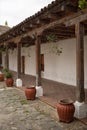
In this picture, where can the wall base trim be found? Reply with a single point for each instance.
(39, 91)
(80, 110)
(18, 82)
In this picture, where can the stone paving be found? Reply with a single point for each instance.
(17, 113)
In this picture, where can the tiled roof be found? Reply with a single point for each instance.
(54, 11)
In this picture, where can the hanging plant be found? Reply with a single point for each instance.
(2, 49)
(82, 4)
(51, 38)
(54, 48)
(26, 45)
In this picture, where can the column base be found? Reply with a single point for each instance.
(80, 110)
(18, 82)
(39, 91)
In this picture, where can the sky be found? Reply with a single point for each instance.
(15, 11)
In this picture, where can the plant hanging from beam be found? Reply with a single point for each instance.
(54, 48)
(51, 38)
(82, 4)
(2, 49)
(26, 45)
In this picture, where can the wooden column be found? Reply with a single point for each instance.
(18, 60)
(7, 58)
(38, 61)
(80, 93)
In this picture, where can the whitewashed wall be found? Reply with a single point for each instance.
(61, 68)
(29, 54)
(3, 59)
(13, 60)
(30, 62)
(58, 68)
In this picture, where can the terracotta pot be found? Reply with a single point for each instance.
(9, 82)
(66, 109)
(30, 93)
(1, 77)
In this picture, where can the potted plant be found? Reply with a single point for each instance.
(30, 93)
(2, 74)
(4, 71)
(9, 78)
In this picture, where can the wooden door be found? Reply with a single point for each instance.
(23, 64)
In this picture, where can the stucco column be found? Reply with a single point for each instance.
(80, 106)
(39, 90)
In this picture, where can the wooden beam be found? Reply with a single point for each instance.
(78, 17)
(61, 21)
(80, 93)
(52, 16)
(61, 6)
(59, 30)
(70, 8)
(38, 61)
(48, 26)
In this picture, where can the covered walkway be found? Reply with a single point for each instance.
(53, 91)
(63, 18)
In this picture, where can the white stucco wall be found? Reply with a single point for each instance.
(58, 68)
(61, 67)
(3, 59)
(30, 63)
(13, 60)
(29, 54)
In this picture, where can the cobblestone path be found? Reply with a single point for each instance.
(16, 113)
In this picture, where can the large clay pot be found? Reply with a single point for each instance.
(66, 109)
(30, 93)
(1, 77)
(9, 82)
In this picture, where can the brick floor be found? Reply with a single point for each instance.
(53, 91)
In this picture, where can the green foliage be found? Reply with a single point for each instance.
(23, 101)
(51, 38)
(55, 49)
(6, 23)
(7, 73)
(82, 4)
(4, 71)
(2, 49)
